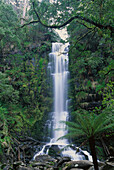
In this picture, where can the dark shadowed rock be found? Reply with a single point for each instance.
(110, 159)
(108, 166)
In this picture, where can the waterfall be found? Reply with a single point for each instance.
(58, 68)
(59, 72)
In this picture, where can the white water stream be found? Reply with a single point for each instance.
(58, 66)
(59, 57)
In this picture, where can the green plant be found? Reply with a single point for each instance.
(90, 126)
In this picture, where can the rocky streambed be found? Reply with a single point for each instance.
(46, 162)
(20, 157)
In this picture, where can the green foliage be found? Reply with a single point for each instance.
(108, 98)
(25, 96)
(89, 125)
(8, 32)
(7, 92)
(91, 67)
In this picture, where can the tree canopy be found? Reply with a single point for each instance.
(83, 12)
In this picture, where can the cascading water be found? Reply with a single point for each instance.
(58, 66)
(59, 56)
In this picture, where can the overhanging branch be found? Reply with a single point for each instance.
(68, 21)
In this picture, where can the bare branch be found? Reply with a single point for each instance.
(109, 71)
(36, 12)
(32, 22)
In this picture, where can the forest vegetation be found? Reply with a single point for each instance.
(26, 34)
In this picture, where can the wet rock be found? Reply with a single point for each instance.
(76, 169)
(17, 164)
(92, 168)
(41, 164)
(108, 166)
(54, 151)
(110, 159)
(44, 158)
(72, 168)
(82, 164)
(35, 164)
(58, 158)
(25, 168)
(62, 161)
(100, 164)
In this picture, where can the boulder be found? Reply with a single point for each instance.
(54, 151)
(41, 164)
(62, 161)
(92, 168)
(17, 164)
(44, 158)
(110, 159)
(82, 164)
(108, 166)
(36, 164)
(100, 164)
(25, 168)
(76, 169)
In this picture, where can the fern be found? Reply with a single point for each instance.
(89, 125)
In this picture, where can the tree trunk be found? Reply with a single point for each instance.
(93, 152)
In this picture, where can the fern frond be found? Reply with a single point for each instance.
(85, 123)
(70, 134)
(77, 131)
(101, 122)
(73, 124)
(98, 122)
(110, 126)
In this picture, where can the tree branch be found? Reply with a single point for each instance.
(31, 22)
(84, 25)
(109, 71)
(68, 21)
